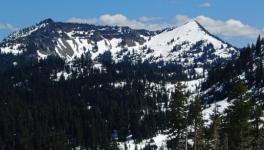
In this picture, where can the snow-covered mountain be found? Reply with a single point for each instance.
(191, 46)
(186, 44)
(191, 42)
(70, 41)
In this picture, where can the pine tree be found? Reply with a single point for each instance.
(198, 124)
(214, 129)
(257, 123)
(177, 118)
(60, 141)
(259, 73)
(238, 90)
(237, 120)
(258, 45)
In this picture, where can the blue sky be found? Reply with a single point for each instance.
(238, 22)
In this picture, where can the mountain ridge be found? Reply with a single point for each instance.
(190, 45)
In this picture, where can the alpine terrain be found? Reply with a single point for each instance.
(84, 86)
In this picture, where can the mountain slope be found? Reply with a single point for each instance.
(247, 70)
(69, 41)
(192, 39)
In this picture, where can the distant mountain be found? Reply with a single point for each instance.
(70, 41)
(188, 45)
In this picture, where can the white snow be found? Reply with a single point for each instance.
(221, 106)
(15, 63)
(118, 84)
(62, 73)
(193, 86)
(41, 55)
(242, 76)
(190, 34)
(184, 37)
(12, 49)
(198, 71)
(159, 140)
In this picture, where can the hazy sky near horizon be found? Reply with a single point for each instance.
(238, 22)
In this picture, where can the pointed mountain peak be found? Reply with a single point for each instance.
(196, 26)
(193, 24)
(46, 21)
(200, 25)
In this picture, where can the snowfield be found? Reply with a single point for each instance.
(159, 140)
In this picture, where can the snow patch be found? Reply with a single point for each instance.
(220, 106)
(12, 49)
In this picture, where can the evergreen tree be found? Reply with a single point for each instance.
(214, 130)
(238, 90)
(237, 120)
(177, 118)
(256, 129)
(258, 45)
(198, 123)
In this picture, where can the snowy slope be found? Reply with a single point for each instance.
(69, 41)
(247, 69)
(186, 37)
(190, 45)
(73, 40)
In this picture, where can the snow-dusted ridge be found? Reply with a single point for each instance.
(189, 45)
(81, 38)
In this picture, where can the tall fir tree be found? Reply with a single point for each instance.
(258, 45)
(198, 124)
(257, 126)
(177, 118)
(237, 120)
(214, 135)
